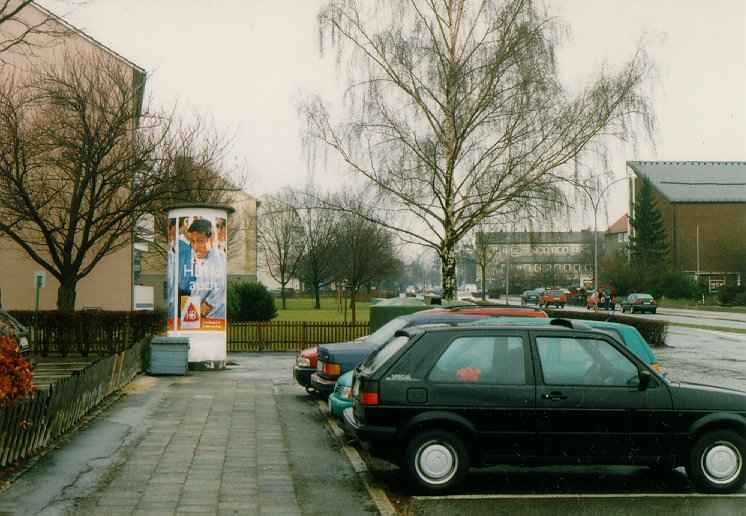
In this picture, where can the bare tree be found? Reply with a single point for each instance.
(80, 163)
(195, 159)
(317, 266)
(280, 238)
(365, 255)
(19, 29)
(455, 111)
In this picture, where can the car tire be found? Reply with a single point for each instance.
(436, 461)
(652, 312)
(716, 462)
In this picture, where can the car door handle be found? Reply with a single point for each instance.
(554, 395)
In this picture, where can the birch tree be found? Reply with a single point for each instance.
(454, 111)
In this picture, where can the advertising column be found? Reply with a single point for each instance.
(197, 274)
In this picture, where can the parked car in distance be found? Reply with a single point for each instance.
(305, 365)
(336, 359)
(626, 334)
(553, 297)
(341, 397)
(639, 303)
(439, 400)
(21, 333)
(529, 297)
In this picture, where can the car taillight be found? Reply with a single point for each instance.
(369, 393)
(652, 301)
(332, 370)
(302, 361)
(657, 367)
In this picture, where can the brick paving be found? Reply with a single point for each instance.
(213, 446)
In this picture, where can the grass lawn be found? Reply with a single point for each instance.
(690, 304)
(301, 309)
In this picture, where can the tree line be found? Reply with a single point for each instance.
(301, 238)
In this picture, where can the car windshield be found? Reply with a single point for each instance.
(379, 356)
(644, 296)
(385, 332)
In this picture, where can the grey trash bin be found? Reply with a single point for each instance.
(169, 355)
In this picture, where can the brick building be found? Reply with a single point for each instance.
(703, 204)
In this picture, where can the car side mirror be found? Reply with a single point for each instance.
(645, 379)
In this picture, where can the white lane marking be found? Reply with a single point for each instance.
(571, 495)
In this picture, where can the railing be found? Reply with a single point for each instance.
(290, 335)
(29, 424)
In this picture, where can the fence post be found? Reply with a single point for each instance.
(303, 335)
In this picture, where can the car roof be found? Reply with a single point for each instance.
(531, 324)
(479, 310)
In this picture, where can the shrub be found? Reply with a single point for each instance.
(15, 371)
(86, 331)
(250, 302)
(730, 296)
(676, 285)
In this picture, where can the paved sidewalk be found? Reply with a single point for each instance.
(207, 443)
(213, 446)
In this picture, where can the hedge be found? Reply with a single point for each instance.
(88, 331)
(654, 332)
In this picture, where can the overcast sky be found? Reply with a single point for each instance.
(245, 64)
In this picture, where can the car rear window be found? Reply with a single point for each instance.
(385, 332)
(381, 355)
(555, 293)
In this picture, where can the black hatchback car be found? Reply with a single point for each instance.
(438, 400)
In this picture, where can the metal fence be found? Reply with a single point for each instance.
(290, 335)
(31, 423)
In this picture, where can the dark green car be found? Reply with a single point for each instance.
(439, 400)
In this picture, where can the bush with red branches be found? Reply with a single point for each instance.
(15, 371)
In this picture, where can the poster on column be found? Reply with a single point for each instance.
(197, 287)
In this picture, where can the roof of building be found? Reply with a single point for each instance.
(620, 226)
(539, 237)
(69, 26)
(695, 181)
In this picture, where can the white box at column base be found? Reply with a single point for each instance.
(205, 346)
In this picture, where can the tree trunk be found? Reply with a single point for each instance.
(317, 295)
(352, 305)
(448, 271)
(484, 283)
(282, 295)
(66, 295)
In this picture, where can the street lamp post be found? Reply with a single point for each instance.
(594, 203)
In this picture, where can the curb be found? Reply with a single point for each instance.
(378, 495)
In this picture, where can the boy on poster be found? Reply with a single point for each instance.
(208, 271)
